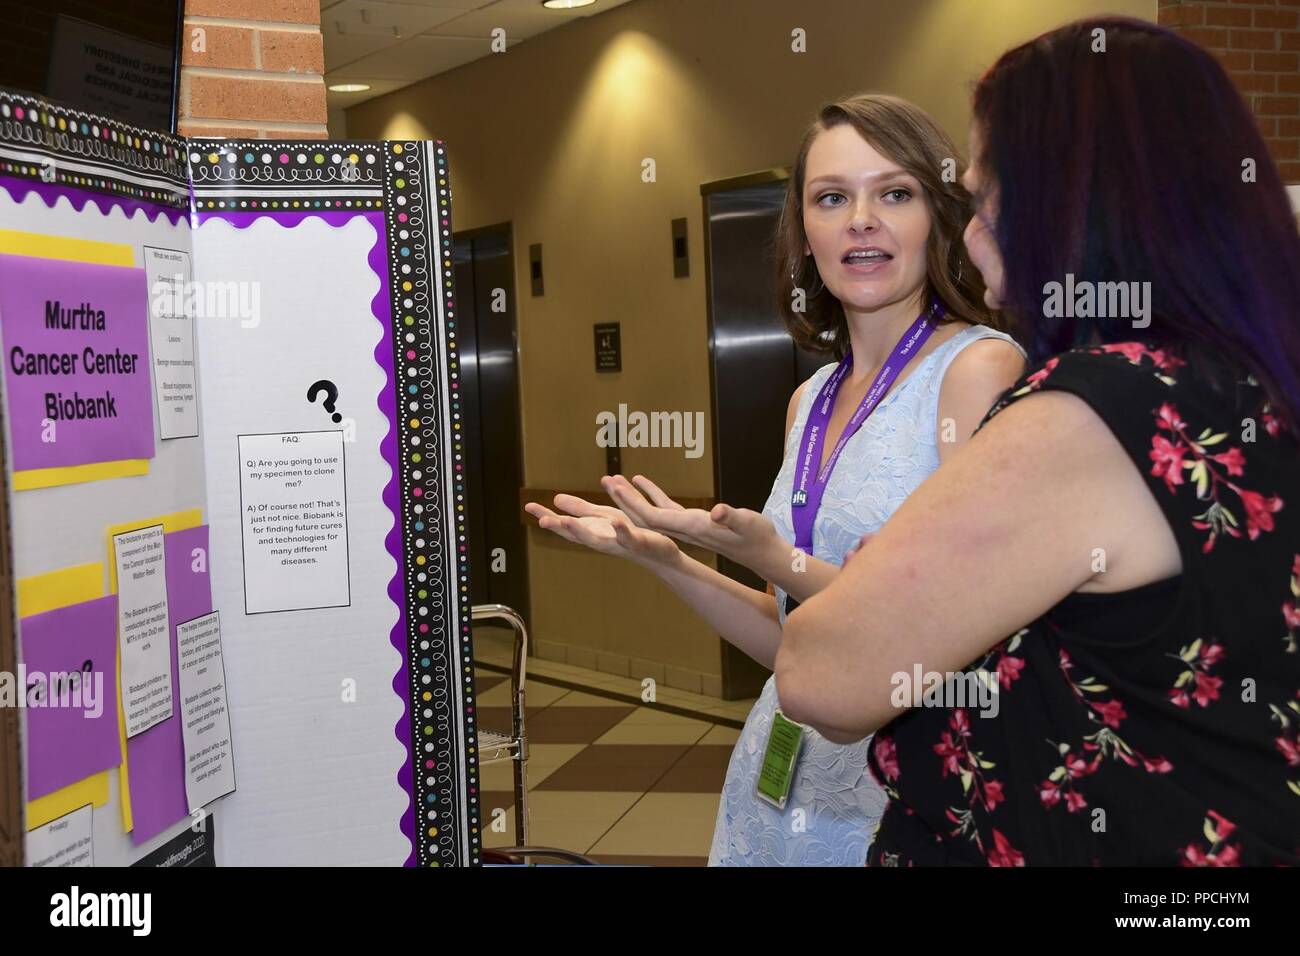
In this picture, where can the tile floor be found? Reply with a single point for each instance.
(619, 780)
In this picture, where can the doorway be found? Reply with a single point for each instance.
(483, 264)
(748, 344)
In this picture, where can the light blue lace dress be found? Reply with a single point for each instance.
(835, 803)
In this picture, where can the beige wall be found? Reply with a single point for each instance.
(551, 136)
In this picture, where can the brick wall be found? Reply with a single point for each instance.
(253, 69)
(1258, 42)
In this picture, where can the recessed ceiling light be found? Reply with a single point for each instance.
(349, 87)
(566, 4)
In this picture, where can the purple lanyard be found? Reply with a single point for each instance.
(807, 497)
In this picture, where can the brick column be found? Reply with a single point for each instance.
(252, 69)
(1258, 43)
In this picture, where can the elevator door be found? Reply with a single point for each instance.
(755, 368)
(485, 321)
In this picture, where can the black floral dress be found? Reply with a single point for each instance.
(1158, 726)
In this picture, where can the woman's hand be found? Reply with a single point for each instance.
(746, 537)
(606, 530)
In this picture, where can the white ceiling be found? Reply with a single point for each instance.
(393, 43)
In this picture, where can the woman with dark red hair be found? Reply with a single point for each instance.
(1116, 551)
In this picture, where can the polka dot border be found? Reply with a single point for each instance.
(33, 124)
(417, 196)
(323, 205)
(338, 165)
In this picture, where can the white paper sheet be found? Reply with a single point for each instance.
(205, 719)
(67, 841)
(293, 503)
(142, 631)
(171, 335)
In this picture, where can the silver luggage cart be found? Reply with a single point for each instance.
(495, 745)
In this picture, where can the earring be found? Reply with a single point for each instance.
(795, 282)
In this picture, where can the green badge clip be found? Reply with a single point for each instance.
(777, 773)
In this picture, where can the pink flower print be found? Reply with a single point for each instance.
(1194, 681)
(1259, 511)
(1167, 417)
(1037, 378)
(1008, 670)
(1156, 765)
(1207, 689)
(886, 755)
(1291, 609)
(1290, 749)
(1003, 853)
(1233, 460)
(1179, 459)
(1168, 459)
(1216, 829)
(1136, 351)
(1288, 739)
(1272, 424)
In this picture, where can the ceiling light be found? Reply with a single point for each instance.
(349, 87)
(566, 4)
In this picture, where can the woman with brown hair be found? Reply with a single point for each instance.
(1118, 549)
(874, 273)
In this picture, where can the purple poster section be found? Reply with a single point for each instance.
(70, 743)
(156, 758)
(76, 350)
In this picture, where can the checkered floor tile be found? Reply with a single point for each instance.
(619, 781)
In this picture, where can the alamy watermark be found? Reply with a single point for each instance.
(1085, 299)
(127, 910)
(79, 690)
(175, 296)
(971, 690)
(638, 429)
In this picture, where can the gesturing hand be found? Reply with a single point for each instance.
(740, 534)
(604, 529)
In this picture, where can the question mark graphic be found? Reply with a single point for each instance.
(331, 396)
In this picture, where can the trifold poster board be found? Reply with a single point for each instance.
(233, 467)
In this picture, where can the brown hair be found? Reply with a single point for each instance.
(907, 135)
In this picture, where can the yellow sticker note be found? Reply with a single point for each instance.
(74, 474)
(43, 810)
(39, 246)
(176, 521)
(36, 595)
(67, 586)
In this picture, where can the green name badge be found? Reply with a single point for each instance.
(777, 773)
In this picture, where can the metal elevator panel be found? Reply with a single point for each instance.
(754, 368)
(483, 266)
